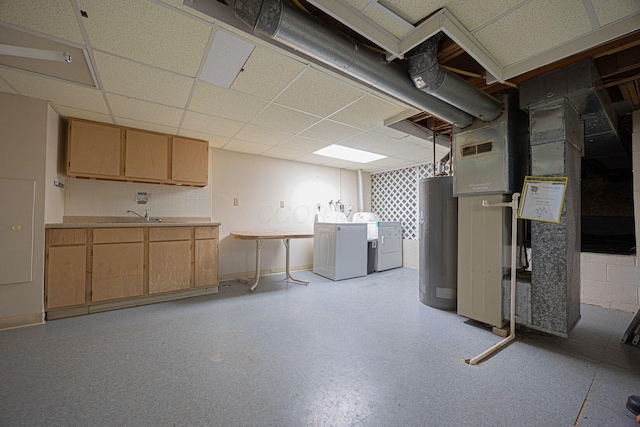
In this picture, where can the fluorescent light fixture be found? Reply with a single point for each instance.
(348, 153)
(28, 52)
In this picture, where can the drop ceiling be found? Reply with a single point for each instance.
(148, 62)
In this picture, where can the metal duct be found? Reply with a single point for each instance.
(429, 76)
(290, 26)
(581, 84)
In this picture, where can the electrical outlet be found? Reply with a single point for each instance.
(282, 203)
(236, 201)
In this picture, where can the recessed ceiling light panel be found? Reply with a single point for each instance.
(348, 153)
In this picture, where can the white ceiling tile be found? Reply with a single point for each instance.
(417, 154)
(284, 119)
(387, 21)
(210, 124)
(282, 153)
(369, 141)
(246, 147)
(441, 151)
(419, 141)
(302, 145)
(313, 158)
(83, 114)
(330, 131)
(221, 102)
(5, 87)
(391, 162)
(610, 11)
(178, 5)
(225, 59)
(474, 17)
(318, 94)
(53, 17)
(367, 112)
(534, 28)
(144, 111)
(55, 91)
(357, 4)
(153, 127)
(387, 131)
(266, 73)
(215, 141)
(147, 32)
(261, 135)
(129, 78)
(393, 146)
(343, 164)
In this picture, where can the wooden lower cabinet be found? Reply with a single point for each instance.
(66, 276)
(98, 269)
(118, 271)
(169, 266)
(206, 263)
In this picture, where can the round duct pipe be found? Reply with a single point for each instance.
(292, 27)
(429, 76)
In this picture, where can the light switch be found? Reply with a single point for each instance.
(282, 203)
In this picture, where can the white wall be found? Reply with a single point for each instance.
(260, 184)
(54, 169)
(85, 197)
(23, 136)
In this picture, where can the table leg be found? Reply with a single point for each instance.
(257, 276)
(287, 244)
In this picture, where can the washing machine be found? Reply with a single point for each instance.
(340, 250)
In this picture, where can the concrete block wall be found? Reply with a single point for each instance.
(613, 281)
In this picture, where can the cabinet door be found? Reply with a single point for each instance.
(147, 155)
(117, 271)
(190, 160)
(206, 262)
(169, 266)
(66, 276)
(93, 149)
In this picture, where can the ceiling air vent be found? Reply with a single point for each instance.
(479, 148)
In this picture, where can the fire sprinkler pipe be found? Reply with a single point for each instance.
(512, 315)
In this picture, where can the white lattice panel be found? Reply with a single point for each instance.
(394, 196)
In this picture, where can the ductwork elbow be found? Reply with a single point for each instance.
(286, 24)
(430, 77)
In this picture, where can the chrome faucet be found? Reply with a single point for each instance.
(145, 217)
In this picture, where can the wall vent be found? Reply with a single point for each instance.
(479, 148)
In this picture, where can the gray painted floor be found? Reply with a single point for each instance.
(361, 352)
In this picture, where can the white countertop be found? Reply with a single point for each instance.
(130, 222)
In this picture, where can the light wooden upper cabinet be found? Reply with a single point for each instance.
(190, 160)
(98, 150)
(147, 155)
(93, 149)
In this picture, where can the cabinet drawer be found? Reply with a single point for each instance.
(169, 233)
(206, 232)
(117, 235)
(66, 237)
